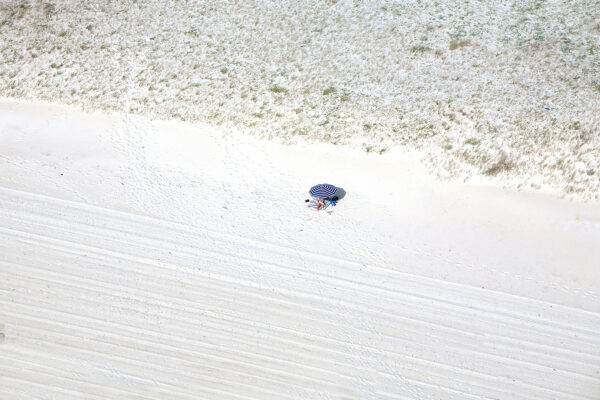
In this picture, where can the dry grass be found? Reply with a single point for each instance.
(277, 89)
(521, 78)
(457, 44)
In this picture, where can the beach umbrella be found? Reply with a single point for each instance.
(323, 190)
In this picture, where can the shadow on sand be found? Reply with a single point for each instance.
(340, 194)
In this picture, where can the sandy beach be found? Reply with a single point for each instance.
(155, 158)
(160, 259)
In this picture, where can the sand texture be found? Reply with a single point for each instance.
(161, 260)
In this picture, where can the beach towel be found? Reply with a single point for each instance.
(328, 203)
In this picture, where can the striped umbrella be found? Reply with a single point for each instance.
(323, 190)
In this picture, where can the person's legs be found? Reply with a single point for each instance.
(320, 204)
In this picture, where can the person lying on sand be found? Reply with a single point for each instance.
(320, 204)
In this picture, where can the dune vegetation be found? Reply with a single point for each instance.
(506, 91)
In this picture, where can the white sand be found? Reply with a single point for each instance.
(160, 260)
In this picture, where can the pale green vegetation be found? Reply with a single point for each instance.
(277, 89)
(509, 92)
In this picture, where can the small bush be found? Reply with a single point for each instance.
(457, 44)
(49, 9)
(277, 89)
(300, 131)
(419, 49)
(329, 90)
(472, 141)
(497, 168)
(223, 70)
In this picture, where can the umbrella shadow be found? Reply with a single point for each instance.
(340, 194)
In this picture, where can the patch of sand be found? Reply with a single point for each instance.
(168, 260)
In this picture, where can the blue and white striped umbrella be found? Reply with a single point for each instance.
(323, 190)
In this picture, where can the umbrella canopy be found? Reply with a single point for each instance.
(323, 190)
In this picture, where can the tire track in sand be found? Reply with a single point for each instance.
(114, 304)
